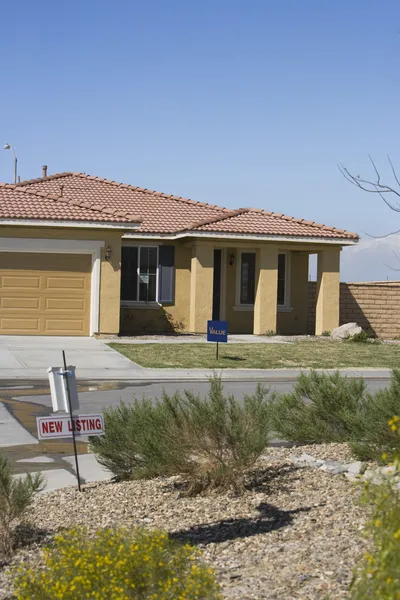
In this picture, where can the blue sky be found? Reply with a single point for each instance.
(240, 103)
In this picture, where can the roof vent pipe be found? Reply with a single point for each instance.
(44, 171)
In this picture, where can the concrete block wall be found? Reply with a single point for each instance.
(374, 305)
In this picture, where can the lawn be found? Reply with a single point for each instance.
(316, 354)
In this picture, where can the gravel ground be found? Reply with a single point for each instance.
(294, 534)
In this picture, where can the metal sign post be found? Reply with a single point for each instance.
(217, 331)
(72, 421)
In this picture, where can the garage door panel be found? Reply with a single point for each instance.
(65, 283)
(43, 294)
(20, 281)
(18, 325)
(69, 304)
(13, 303)
(56, 326)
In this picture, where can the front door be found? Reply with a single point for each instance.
(216, 313)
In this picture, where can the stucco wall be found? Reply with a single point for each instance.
(110, 270)
(374, 305)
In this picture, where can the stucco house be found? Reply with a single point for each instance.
(82, 255)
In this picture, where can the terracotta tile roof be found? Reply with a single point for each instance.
(268, 223)
(17, 202)
(167, 214)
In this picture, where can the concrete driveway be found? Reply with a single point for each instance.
(24, 357)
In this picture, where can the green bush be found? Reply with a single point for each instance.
(216, 439)
(379, 574)
(321, 408)
(376, 437)
(15, 497)
(211, 441)
(326, 334)
(116, 565)
(133, 444)
(362, 337)
(331, 408)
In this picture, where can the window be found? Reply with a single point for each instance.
(139, 273)
(248, 279)
(281, 279)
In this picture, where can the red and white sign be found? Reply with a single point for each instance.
(61, 427)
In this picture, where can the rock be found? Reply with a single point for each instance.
(305, 459)
(351, 477)
(333, 469)
(356, 468)
(345, 331)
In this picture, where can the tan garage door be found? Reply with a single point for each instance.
(44, 294)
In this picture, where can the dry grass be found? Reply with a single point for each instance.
(317, 355)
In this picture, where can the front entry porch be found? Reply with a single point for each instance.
(262, 290)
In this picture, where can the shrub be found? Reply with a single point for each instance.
(321, 408)
(15, 497)
(326, 334)
(132, 447)
(216, 439)
(331, 408)
(379, 574)
(117, 564)
(376, 437)
(362, 337)
(270, 333)
(212, 441)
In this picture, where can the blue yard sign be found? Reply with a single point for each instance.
(217, 331)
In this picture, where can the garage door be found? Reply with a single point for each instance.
(44, 294)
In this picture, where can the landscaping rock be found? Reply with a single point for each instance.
(356, 468)
(345, 331)
(306, 459)
(334, 467)
(291, 535)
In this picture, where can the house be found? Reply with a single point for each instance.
(82, 255)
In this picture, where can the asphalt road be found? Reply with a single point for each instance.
(107, 394)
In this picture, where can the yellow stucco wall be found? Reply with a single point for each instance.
(176, 317)
(110, 270)
(293, 322)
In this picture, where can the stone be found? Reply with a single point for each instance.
(345, 331)
(334, 467)
(356, 468)
(306, 459)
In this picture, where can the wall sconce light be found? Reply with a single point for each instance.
(108, 253)
(231, 259)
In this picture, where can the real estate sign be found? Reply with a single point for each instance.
(61, 426)
(217, 331)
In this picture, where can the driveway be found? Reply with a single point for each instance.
(25, 357)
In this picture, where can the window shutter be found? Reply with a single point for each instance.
(166, 275)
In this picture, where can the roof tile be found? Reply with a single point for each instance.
(91, 198)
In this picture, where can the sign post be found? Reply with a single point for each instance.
(72, 420)
(64, 398)
(217, 331)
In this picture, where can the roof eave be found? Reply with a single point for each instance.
(338, 241)
(70, 224)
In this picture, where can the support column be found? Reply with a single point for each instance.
(328, 290)
(201, 287)
(266, 300)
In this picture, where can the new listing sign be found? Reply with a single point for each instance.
(61, 427)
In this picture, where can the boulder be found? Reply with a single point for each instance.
(345, 331)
